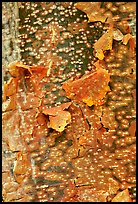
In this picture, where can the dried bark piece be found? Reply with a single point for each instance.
(58, 117)
(104, 43)
(10, 88)
(90, 88)
(59, 121)
(93, 11)
(117, 35)
(26, 78)
(126, 38)
(9, 104)
(25, 82)
(19, 70)
(16, 68)
(123, 196)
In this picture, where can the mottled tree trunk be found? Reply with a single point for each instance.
(10, 47)
(45, 155)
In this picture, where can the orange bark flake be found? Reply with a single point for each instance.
(59, 121)
(126, 38)
(104, 43)
(93, 10)
(23, 76)
(19, 70)
(106, 40)
(9, 104)
(123, 196)
(58, 118)
(16, 69)
(90, 88)
(10, 88)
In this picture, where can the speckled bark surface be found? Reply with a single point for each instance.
(92, 156)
